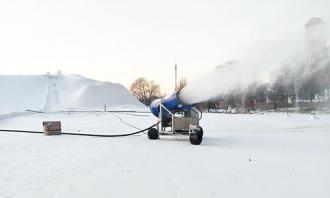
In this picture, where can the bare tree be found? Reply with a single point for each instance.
(145, 91)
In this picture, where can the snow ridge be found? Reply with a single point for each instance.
(60, 92)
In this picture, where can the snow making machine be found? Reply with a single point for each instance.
(176, 117)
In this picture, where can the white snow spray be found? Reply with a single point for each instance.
(264, 64)
(238, 77)
(231, 77)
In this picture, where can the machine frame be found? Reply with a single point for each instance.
(181, 122)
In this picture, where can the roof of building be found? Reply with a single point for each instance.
(314, 21)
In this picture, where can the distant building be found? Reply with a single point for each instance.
(316, 40)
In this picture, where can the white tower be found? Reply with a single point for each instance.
(316, 40)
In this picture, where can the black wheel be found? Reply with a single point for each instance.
(153, 134)
(195, 138)
(201, 131)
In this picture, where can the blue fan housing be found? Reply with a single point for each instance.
(172, 103)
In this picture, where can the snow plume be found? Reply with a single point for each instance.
(239, 77)
(287, 58)
(232, 76)
(259, 66)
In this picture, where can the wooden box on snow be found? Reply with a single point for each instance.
(52, 127)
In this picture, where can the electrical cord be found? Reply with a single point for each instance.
(122, 121)
(82, 134)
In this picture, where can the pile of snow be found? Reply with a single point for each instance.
(61, 92)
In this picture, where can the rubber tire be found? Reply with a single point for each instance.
(195, 138)
(201, 131)
(153, 134)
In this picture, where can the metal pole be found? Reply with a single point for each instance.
(161, 117)
(176, 77)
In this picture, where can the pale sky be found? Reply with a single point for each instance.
(119, 41)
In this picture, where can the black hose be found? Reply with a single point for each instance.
(19, 131)
(82, 134)
(90, 111)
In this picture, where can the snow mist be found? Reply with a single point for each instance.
(231, 77)
(266, 63)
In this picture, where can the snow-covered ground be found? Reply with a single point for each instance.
(272, 155)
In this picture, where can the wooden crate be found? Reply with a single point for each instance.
(52, 127)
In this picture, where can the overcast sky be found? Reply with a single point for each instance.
(119, 41)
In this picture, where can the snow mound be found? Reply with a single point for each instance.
(61, 92)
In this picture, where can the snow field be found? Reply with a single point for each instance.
(241, 156)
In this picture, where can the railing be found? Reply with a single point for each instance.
(161, 117)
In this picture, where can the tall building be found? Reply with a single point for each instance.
(316, 40)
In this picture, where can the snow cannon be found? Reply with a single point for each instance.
(176, 117)
(172, 103)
